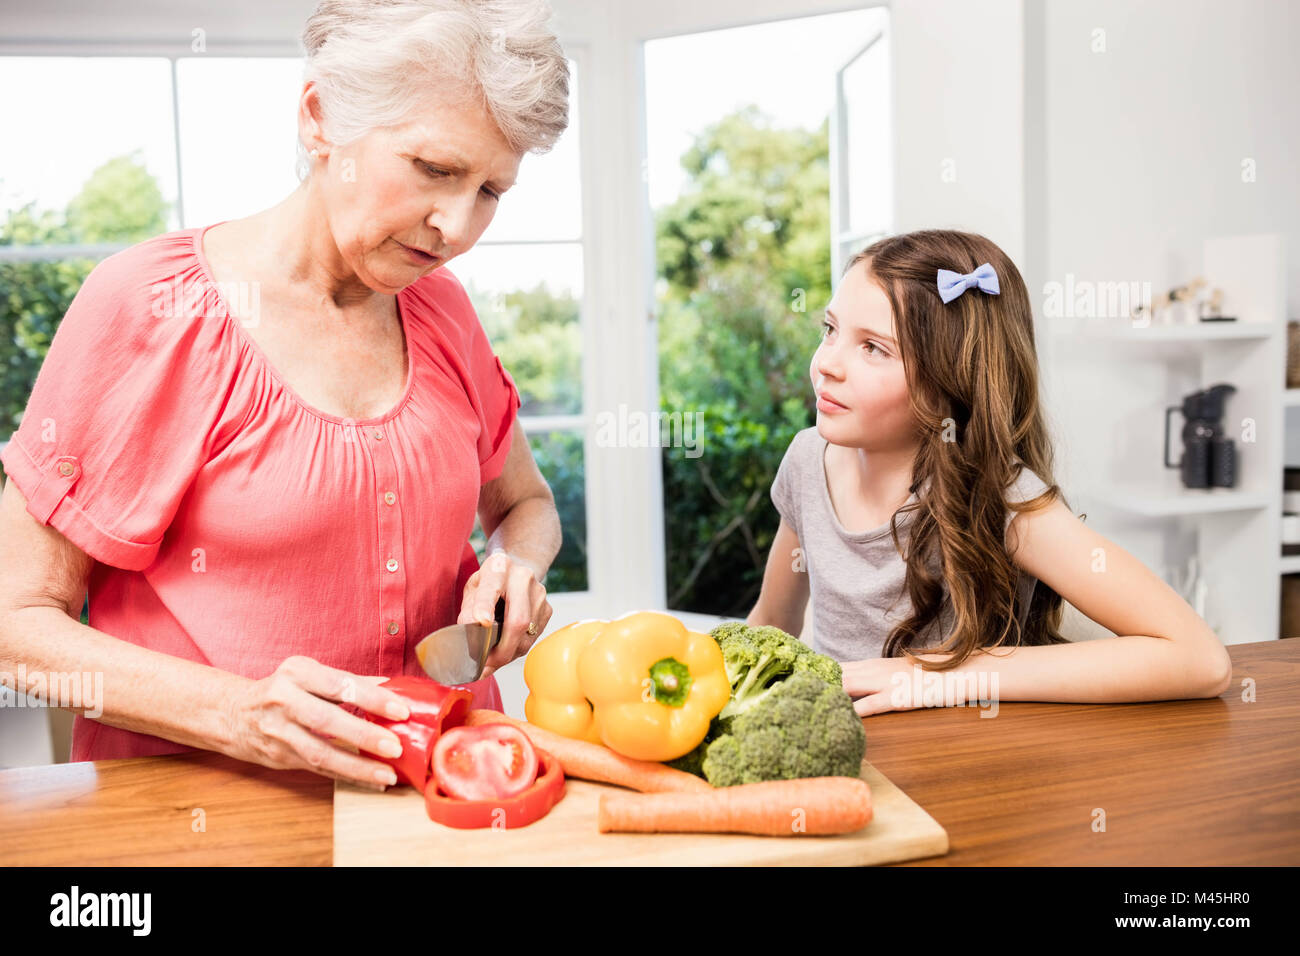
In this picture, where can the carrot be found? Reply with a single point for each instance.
(810, 805)
(581, 758)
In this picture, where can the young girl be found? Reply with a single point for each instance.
(920, 513)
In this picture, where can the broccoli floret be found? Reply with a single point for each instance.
(788, 715)
(693, 762)
(801, 727)
(759, 658)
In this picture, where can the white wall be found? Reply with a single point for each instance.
(959, 106)
(1143, 147)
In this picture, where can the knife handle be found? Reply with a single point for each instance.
(500, 615)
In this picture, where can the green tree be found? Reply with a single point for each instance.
(538, 337)
(119, 203)
(744, 268)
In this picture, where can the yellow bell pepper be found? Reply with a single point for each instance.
(555, 700)
(654, 686)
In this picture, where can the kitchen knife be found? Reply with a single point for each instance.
(456, 654)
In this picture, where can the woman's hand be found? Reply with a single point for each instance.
(882, 683)
(527, 610)
(289, 721)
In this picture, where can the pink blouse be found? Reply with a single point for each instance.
(230, 522)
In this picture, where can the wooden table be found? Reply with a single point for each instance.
(1199, 782)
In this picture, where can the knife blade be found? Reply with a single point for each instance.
(457, 654)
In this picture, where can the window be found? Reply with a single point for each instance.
(739, 131)
(73, 193)
(526, 279)
(209, 138)
(237, 131)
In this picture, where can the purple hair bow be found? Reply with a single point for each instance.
(952, 284)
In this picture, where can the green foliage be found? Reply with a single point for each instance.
(559, 458)
(538, 337)
(119, 203)
(744, 268)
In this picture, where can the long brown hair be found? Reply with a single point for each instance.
(972, 376)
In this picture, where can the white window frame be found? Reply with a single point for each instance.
(842, 239)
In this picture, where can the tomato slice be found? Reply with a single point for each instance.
(488, 762)
(504, 814)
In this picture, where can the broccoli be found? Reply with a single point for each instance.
(788, 715)
(758, 658)
(802, 727)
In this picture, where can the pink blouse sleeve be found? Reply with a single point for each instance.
(122, 415)
(493, 392)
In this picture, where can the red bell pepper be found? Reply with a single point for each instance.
(508, 813)
(433, 708)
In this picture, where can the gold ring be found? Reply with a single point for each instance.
(532, 629)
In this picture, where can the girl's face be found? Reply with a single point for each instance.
(857, 373)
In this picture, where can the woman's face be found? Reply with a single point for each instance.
(431, 184)
(857, 373)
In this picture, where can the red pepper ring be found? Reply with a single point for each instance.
(433, 707)
(505, 814)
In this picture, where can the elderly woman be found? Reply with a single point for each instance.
(271, 505)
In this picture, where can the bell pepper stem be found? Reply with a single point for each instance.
(670, 681)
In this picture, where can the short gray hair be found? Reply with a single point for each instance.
(375, 61)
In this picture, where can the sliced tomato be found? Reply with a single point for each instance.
(504, 814)
(488, 762)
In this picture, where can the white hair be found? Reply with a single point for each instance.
(377, 61)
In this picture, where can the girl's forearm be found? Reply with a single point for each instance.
(530, 534)
(1103, 671)
(78, 668)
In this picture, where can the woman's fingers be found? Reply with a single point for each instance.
(295, 718)
(304, 689)
(492, 579)
(328, 720)
(527, 613)
(320, 756)
(526, 606)
(519, 611)
(334, 684)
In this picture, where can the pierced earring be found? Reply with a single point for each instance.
(315, 152)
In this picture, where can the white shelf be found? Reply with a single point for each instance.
(1161, 501)
(1186, 332)
(1166, 342)
(1118, 380)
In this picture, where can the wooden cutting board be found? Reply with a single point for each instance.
(392, 829)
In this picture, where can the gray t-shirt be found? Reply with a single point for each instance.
(856, 579)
